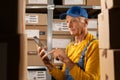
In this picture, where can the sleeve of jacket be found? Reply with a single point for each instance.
(57, 73)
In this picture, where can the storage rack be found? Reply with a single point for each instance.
(51, 10)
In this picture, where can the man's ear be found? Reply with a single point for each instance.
(86, 21)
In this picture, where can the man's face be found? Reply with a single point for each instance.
(75, 25)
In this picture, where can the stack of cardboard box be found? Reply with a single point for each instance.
(36, 25)
(108, 27)
(93, 27)
(61, 36)
(13, 41)
(81, 2)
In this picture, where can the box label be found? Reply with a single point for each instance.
(32, 19)
(32, 33)
(36, 75)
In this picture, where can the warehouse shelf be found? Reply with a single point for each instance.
(36, 67)
(84, 6)
(35, 7)
(59, 6)
(56, 10)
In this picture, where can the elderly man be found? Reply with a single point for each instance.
(81, 57)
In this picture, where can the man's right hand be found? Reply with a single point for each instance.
(43, 55)
(45, 58)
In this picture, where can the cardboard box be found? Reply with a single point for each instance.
(109, 64)
(113, 4)
(32, 46)
(93, 2)
(94, 32)
(100, 19)
(40, 2)
(61, 33)
(23, 58)
(108, 4)
(37, 73)
(74, 2)
(59, 25)
(92, 24)
(13, 57)
(39, 31)
(101, 30)
(109, 29)
(60, 41)
(33, 57)
(34, 60)
(21, 16)
(12, 17)
(35, 19)
(103, 5)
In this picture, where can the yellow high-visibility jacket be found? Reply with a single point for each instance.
(91, 63)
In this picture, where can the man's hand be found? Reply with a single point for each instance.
(61, 55)
(43, 54)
